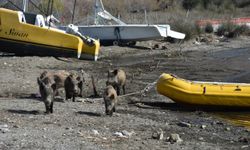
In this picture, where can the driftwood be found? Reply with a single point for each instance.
(94, 87)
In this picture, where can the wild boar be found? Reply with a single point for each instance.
(73, 86)
(117, 78)
(49, 83)
(110, 100)
(58, 77)
(47, 89)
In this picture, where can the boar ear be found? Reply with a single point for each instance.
(78, 78)
(53, 86)
(70, 77)
(43, 74)
(112, 96)
(115, 71)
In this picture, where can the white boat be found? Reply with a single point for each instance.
(116, 34)
(119, 32)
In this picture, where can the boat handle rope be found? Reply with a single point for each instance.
(237, 88)
(204, 90)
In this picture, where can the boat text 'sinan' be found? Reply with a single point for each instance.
(13, 32)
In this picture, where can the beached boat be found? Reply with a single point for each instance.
(113, 31)
(204, 93)
(27, 34)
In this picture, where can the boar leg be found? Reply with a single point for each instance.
(123, 87)
(67, 95)
(114, 109)
(47, 107)
(51, 107)
(73, 98)
(118, 90)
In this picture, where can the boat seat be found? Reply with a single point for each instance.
(40, 21)
(21, 17)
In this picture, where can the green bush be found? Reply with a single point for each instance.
(231, 30)
(187, 27)
(209, 28)
(190, 4)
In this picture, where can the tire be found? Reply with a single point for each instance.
(115, 43)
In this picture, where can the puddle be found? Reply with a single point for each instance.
(237, 118)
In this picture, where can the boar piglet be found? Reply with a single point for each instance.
(110, 100)
(73, 86)
(47, 90)
(117, 78)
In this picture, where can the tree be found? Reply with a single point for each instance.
(190, 4)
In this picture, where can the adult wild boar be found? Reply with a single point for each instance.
(73, 86)
(110, 100)
(117, 78)
(49, 83)
(58, 77)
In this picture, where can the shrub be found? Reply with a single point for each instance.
(190, 4)
(209, 28)
(187, 27)
(231, 30)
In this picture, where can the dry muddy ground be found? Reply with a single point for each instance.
(139, 117)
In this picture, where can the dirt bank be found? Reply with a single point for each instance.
(83, 125)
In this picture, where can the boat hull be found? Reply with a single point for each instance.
(204, 93)
(23, 38)
(20, 48)
(124, 33)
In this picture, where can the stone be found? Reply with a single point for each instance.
(201, 138)
(245, 147)
(203, 126)
(158, 135)
(174, 138)
(228, 129)
(119, 134)
(4, 130)
(184, 124)
(3, 126)
(95, 132)
(126, 133)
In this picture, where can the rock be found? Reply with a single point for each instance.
(158, 135)
(95, 132)
(244, 140)
(203, 126)
(80, 100)
(163, 47)
(174, 138)
(4, 128)
(201, 138)
(16, 126)
(119, 134)
(245, 147)
(228, 129)
(184, 124)
(126, 133)
(68, 128)
(197, 43)
(156, 46)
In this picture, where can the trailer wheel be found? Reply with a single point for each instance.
(115, 43)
